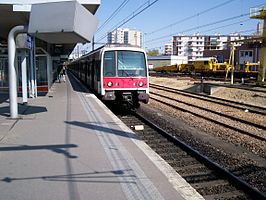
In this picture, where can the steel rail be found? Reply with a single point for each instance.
(254, 192)
(242, 88)
(212, 120)
(238, 105)
(215, 112)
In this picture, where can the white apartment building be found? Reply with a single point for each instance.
(193, 46)
(125, 36)
(168, 49)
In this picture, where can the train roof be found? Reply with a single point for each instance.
(122, 47)
(112, 47)
(117, 46)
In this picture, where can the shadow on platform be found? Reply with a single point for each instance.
(23, 110)
(57, 148)
(90, 177)
(93, 126)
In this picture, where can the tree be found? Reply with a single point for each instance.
(153, 52)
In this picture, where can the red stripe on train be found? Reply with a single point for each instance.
(124, 82)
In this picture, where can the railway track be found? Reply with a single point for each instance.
(232, 121)
(249, 86)
(210, 179)
(243, 106)
(257, 88)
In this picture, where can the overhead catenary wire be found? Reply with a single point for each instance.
(190, 17)
(195, 15)
(195, 28)
(215, 28)
(121, 6)
(242, 21)
(135, 13)
(239, 22)
(243, 31)
(202, 26)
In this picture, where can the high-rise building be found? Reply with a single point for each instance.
(125, 36)
(193, 46)
(168, 49)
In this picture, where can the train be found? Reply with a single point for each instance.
(197, 65)
(210, 66)
(203, 65)
(115, 73)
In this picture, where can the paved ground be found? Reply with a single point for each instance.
(68, 145)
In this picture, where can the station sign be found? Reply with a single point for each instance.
(24, 41)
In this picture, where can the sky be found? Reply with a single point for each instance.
(161, 19)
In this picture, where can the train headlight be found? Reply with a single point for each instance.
(141, 84)
(109, 84)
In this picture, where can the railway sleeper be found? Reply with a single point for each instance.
(170, 154)
(217, 189)
(209, 184)
(151, 135)
(148, 129)
(192, 168)
(172, 149)
(181, 162)
(150, 132)
(227, 195)
(158, 144)
(153, 140)
(146, 133)
(192, 171)
(199, 177)
(158, 140)
(180, 158)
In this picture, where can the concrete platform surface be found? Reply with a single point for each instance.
(68, 146)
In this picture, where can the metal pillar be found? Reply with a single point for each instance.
(24, 77)
(11, 69)
(260, 13)
(32, 90)
(232, 63)
(93, 44)
(32, 70)
(34, 67)
(261, 75)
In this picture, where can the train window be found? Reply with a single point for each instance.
(109, 68)
(131, 63)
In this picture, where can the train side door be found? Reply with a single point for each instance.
(85, 72)
(92, 73)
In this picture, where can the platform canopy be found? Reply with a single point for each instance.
(17, 12)
(62, 22)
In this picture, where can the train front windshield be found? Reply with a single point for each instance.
(124, 64)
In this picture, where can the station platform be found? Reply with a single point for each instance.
(67, 145)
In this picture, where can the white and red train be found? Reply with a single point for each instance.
(116, 73)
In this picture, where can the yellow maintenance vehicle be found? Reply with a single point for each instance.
(251, 67)
(168, 68)
(198, 65)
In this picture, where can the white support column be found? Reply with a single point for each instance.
(11, 69)
(32, 83)
(232, 64)
(34, 67)
(262, 68)
(24, 77)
